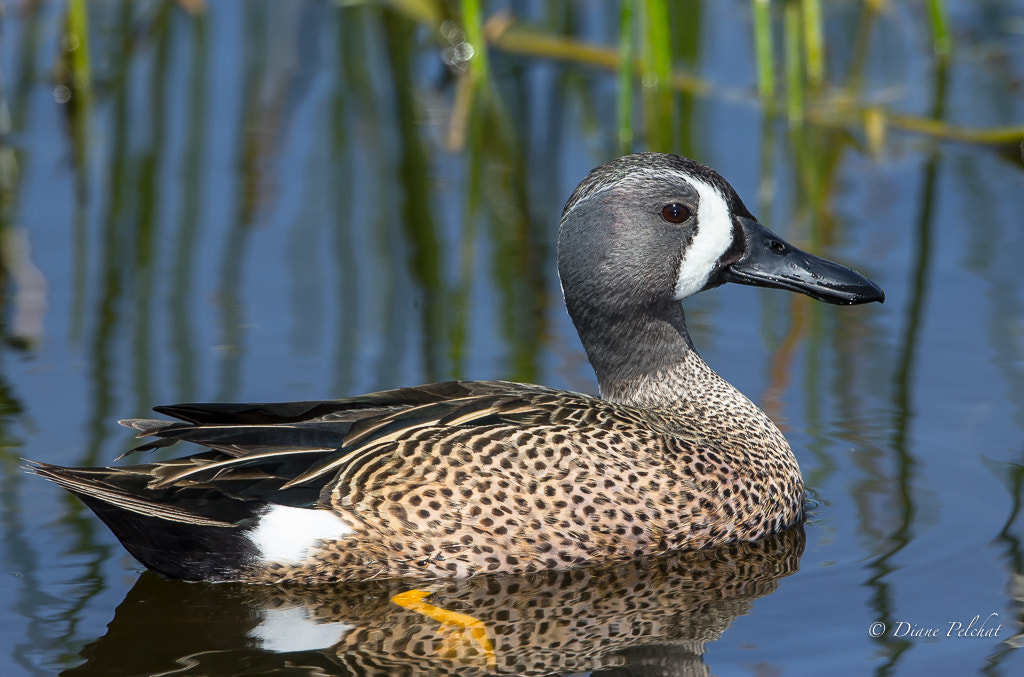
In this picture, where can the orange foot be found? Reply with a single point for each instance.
(458, 631)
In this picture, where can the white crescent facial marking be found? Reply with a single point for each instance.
(712, 240)
(285, 534)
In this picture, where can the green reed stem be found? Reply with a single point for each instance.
(472, 17)
(814, 50)
(794, 62)
(658, 43)
(657, 75)
(77, 46)
(763, 48)
(942, 41)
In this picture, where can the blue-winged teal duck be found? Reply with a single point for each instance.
(461, 478)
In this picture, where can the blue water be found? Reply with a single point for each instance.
(261, 203)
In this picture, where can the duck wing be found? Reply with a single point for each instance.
(187, 517)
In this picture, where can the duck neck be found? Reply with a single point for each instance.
(643, 359)
(648, 361)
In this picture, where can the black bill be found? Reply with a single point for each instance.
(770, 261)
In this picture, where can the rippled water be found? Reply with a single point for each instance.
(273, 201)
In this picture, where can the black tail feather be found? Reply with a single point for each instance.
(202, 536)
(177, 550)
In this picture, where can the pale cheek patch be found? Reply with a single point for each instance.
(286, 535)
(711, 241)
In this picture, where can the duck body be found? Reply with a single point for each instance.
(461, 478)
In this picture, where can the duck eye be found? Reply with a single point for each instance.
(675, 213)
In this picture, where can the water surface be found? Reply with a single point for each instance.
(274, 201)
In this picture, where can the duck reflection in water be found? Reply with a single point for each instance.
(650, 616)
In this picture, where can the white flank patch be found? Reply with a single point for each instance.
(284, 630)
(285, 534)
(714, 235)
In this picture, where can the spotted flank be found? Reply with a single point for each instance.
(456, 479)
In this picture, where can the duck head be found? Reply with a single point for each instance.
(645, 231)
(657, 228)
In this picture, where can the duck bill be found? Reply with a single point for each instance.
(770, 261)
